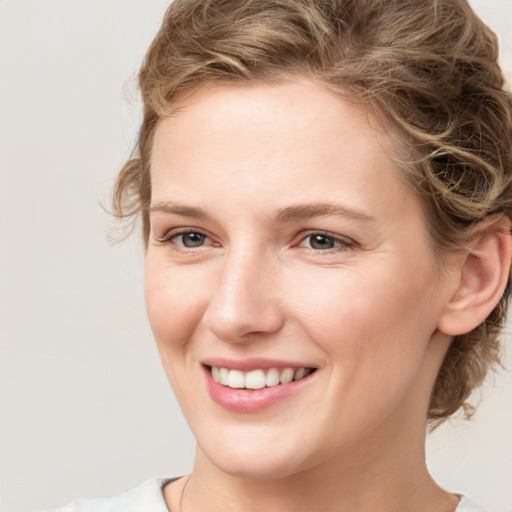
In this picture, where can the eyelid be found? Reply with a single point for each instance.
(344, 242)
(173, 233)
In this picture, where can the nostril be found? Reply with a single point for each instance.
(244, 324)
(243, 304)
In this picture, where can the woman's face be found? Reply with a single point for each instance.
(285, 245)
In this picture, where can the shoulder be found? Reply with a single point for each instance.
(468, 505)
(147, 496)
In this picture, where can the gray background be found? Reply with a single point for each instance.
(85, 409)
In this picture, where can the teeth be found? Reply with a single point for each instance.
(272, 378)
(224, 376)
(257, 379)
(301, 372)
(286, 376)
(236, 379)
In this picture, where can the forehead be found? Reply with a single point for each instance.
(254, 122)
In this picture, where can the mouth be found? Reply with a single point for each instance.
(258, 378)
(255, 385)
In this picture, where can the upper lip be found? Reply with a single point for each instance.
(253, 364)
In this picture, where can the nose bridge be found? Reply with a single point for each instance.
(245, 300)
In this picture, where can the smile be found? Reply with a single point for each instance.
(258, 378)
(253, 385)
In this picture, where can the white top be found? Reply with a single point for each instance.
(148, 497)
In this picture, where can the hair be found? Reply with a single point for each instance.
(428, 67)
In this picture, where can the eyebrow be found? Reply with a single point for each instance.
(288, 214)
(309, 211)
(178, 209)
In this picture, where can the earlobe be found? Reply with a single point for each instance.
(481, 280)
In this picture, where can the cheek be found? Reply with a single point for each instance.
(373, 331)
(174, 303)
(366, 315)
(175, 306)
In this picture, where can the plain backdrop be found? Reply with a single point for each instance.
(85, 409)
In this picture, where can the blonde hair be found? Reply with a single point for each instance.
(428, 66)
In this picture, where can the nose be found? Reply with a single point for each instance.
(245, 302)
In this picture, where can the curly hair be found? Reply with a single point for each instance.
(427, 67)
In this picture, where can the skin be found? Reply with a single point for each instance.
(365, 312)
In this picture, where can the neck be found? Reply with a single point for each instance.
(367, 478)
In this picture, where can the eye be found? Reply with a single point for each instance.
(324, 242)
(189, 239)
(185, 239)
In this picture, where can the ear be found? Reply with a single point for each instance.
(481, 278)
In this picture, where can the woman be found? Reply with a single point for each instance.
(326, 200)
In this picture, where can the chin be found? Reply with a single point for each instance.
(257, 460)
(256, 468)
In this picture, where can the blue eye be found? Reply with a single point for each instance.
(324, 242)
(321, 242)
(190, 239)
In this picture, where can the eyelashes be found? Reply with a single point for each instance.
(320, 241)
(186, 238)
(313, 241)
(190, 239)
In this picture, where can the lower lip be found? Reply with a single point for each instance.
(252, 400)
